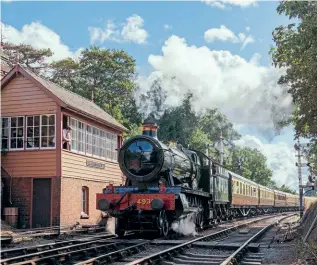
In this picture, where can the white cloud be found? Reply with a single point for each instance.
(40, 37)
(247, 28)
(224, 3)
(245, 40)
(221, 34)
(167, 27)
(226, 35)
(243, 90)
(131, 31)
(109, 33)
(280, 158)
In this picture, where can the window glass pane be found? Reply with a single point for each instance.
(88, 139)
(47, 130)
(81, 136)
(13, 132)
(95, 141)
(44, 131)
(5, 133)
(37, 121)
(44, 120)
(30, 132)
(17, 133)
(51, 130)
(20, 123)
(44, 141)
(30, 121)
(52, 120)
(4, 143)
(20, 143)
(13, 122)
(13, 143)
(20, 132)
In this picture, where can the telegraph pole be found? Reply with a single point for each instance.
(300, 182)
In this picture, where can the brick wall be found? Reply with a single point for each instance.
(21, 194)
(56, 199)
(71, 201)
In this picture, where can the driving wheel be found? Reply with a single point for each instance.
(163, 223)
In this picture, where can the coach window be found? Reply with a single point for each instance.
(85, 200)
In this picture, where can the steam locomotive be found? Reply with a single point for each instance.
(166, 183)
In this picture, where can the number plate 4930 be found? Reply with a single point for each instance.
(143, 201)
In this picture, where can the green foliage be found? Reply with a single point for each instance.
(272, 185)
(199, 139)
(286, 189)
(253, 167)
(134, 130)
(104, 76)
(27, 56)
(296, 49)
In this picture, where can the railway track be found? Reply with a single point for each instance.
(234, 245)
(108, 249)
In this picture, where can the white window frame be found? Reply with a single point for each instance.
(114, 146)
(73, 129)
(49, 147)
(26, 132)
(98, 141)
(9, 132)
(83, 137)
(110, 139)
(91, 133)
(103, 144)
(17, 149)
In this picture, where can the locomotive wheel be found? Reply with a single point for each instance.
(163, 223)
(200, 221)
(118, 231)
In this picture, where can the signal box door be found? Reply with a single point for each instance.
(41, 211)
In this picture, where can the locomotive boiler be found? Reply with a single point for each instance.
(146, 161)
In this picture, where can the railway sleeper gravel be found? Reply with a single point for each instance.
(231, 246)
(67, 254)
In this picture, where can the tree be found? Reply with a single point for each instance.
(176, 124)
(253, 165)
(296, 49)
(27, 56)
(103, 76)
(283, 188)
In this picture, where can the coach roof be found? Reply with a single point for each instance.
(65, 98)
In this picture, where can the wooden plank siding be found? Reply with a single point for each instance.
(241, 200)
(74, 166)
(33, 163)
(22, 97)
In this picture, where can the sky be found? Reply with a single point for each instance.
(218, 50)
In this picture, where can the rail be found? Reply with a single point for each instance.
(238, 254)
(180, 248)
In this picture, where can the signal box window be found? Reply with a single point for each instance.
(5, 133)
(47, 131)
(16, 133)
(33, 132)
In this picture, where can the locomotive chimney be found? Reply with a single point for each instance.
(149, 128)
